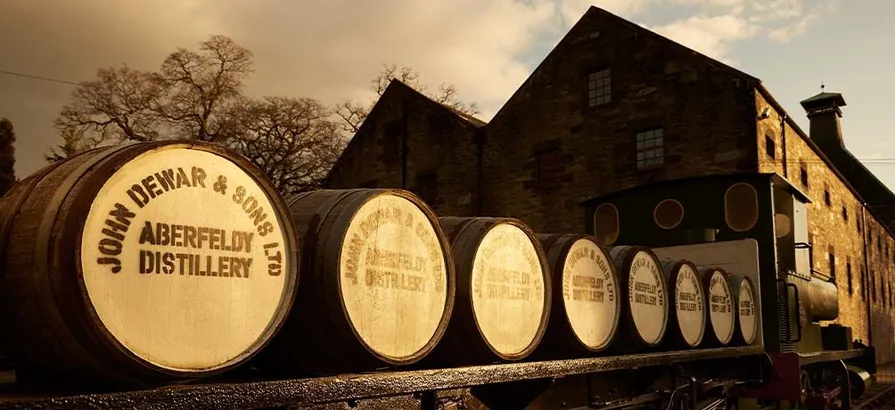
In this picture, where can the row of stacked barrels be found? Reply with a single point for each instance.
(162, 261)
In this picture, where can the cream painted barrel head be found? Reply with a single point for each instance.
(393, 276)
(184, 259)
(508, 291)
(721, 311)
(589, 291)
(647, 297)
(746, 311)
(689, 305)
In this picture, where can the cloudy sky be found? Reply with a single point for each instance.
(330, 49)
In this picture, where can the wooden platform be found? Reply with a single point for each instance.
(311, 391)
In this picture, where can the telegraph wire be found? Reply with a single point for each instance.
(37, 77)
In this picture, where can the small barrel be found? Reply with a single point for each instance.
(645, 291)
(747, 317)
(586, 306)
(377, 284)
(688, 316)
(503, 292)
(722, 315)
(144, 263)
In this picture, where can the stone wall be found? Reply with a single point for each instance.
(837, 226)
(547, 150)
(440, 147)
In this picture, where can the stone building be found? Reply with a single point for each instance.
(615, 106)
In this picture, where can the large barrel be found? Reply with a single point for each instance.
(747, 317)
(503, 291)
(377, 283)
(142, 263)
(586, 306)
(722, 315)
(645, 292)
(688, 314)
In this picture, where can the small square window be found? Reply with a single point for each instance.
(650, 149)
(770, 146)
(599, 88)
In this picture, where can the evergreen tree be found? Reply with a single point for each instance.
(7, 156)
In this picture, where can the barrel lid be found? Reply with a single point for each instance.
(747, 316)
(647, 291)
(395, 275)
(590, 293)
(689, 300)
(721, 310)
(510, 294)
(187, 257)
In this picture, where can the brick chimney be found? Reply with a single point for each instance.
(824, 112)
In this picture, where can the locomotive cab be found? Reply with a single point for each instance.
(753, 224)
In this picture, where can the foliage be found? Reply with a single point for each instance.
(198, 95)
(353, 114)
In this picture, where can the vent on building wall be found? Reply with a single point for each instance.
(668, 214)
(741, 207)
(606, 227)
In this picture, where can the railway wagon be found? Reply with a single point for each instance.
(746, 231)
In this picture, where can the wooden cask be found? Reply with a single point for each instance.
(722, 315)
(378, 283)
(503, 291)
(585, 307)
(142, 263)
(688, 313)
(645, 295)
(747, 317)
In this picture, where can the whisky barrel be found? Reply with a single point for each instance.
(722, 316)
(746, 318)
(377, 283)
(143, 263)
(688, 314)
(585, 307)
(503, 291)
(645, 295)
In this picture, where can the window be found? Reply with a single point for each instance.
(770, 147)
(803, 174)
(844, 213)
(599, 88)
(606, 227)
(549, 167)
(827, 199)
(650, 149)
(426, 188)
(850, 284)
(668, 214)
(832, 264)
(741, 207)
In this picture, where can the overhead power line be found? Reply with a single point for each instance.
(37, 77)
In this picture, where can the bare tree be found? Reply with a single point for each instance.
(115, 107)
(293, 140)
(352, 114)
(200, 85)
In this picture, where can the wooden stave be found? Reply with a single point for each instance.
(463, 343)
(735, 280)
(675, 337)
(327, 342)
(630, 340)
(710, 339)
(560, 340)
(76, 182)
